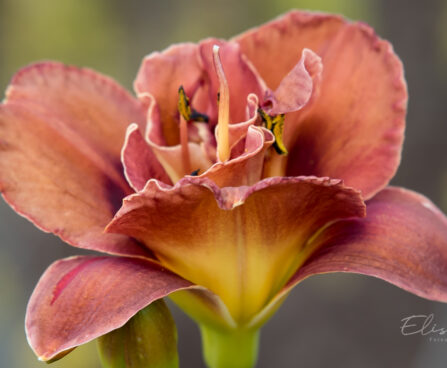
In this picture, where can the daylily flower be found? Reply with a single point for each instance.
(241, 168)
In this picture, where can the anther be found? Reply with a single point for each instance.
(185, 109)
(275, 124)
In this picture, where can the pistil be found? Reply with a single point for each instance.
(223, 145)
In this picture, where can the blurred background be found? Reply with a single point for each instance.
(333, 320)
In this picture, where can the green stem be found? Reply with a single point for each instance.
(236, 348)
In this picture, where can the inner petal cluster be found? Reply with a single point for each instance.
(229, 125)
(220, 112)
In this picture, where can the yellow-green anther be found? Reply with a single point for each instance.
(184, 107)
(276, 125)
(278, 129)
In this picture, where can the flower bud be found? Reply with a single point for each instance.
(147, 340)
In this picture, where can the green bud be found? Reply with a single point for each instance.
(147, 340)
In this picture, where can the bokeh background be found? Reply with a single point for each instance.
(333, 320)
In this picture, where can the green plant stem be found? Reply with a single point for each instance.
(236, 348)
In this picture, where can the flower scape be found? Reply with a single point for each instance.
(240, 168)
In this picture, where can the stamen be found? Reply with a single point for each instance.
(184, 143)
(223, 145)
(185, 115)
(276, 125)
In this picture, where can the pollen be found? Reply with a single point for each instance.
(275, 123)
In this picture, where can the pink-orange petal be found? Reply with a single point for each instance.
(295, 96)
(140, 163)
(242, 243)
(402, 240)
(275, 47)
(298, 86)
(80, 298)
(161, 74)
(356, 126)
(238, 131)
(61, 132)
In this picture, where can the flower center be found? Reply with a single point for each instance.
(197, 140)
